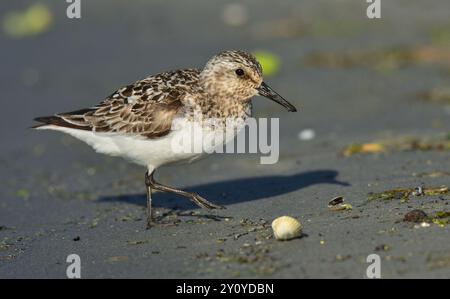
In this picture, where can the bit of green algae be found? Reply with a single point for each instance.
(399, 144)
(23, 194)
(404, 194)
(441, 218)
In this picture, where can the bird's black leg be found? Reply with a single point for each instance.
(197, 199)
(148, 185)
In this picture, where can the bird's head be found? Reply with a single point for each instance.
(238, 75)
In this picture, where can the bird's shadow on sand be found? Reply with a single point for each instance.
(235, 191)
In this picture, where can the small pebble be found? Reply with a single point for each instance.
(306, 134)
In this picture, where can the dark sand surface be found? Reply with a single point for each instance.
(55, 189)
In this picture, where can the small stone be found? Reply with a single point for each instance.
(415, 216)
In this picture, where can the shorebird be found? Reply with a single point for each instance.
(139, 122)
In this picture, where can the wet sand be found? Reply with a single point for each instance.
(356, 81)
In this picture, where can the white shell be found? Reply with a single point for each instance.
(286, 228)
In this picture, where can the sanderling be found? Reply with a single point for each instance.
(137, 122)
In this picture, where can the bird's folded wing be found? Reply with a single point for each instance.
(145, 108)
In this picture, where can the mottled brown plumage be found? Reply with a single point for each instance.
(148, 107)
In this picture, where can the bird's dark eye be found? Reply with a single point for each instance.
(240, 72)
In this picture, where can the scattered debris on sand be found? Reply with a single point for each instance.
(247, 259)
(438, 262)
(432, 174)
(422, 225)
(441, 218)
(438, 95)
(120, 258)
(415, 216)
(306, 134)
(269, 61)
(405, 193)
(364, 148)
(383, 247)
(381, 60)
(406, 143)
(137, 242)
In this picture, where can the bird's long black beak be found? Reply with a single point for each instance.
(265, 91)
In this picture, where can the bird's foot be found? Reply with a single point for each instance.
(203, 203)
